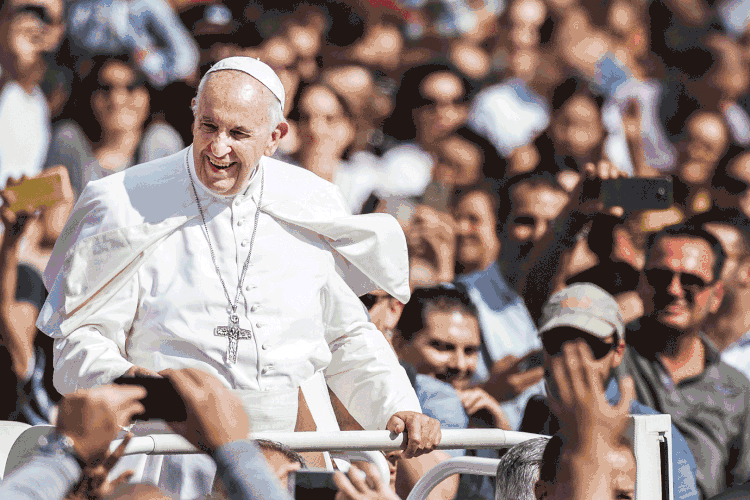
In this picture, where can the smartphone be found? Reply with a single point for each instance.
(38, 192)
(638, 193)
(313, 484)
(162, 401)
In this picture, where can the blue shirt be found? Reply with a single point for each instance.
(737, 355)
(507, 329)
(440, 401)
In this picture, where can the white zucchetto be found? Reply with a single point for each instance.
(255, 68)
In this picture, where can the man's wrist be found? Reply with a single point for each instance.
(57, 443)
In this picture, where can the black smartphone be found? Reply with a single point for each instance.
(313, 484)
(162, 401)
(638, 193)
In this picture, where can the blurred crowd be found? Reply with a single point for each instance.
(486, 128)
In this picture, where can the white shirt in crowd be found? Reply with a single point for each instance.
(25, 131)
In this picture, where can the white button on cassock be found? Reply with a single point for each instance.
(245, 243)
(240, 222)
(254, 307)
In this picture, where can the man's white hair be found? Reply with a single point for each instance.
(275, 114)
(518, 470)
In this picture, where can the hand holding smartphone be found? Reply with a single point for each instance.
(37, 192)
(162, 401)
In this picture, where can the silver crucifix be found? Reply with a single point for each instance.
(234, 333)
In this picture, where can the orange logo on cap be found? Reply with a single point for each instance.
(582, 303)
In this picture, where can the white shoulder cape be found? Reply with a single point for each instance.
(119, 221)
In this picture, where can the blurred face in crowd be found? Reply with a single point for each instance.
(578, 128)
(446, 349)
(458, 162)
(445, 113)
(534, 207)
(478, 244)
(35, 27)
(138, 491)
(232, 130)
(472, 61)
(707, 139)
(739, 170)
(323, 120)
(352, 83)
(280, 54)
(121, 104)
(381, 47)
(384, 312)
(731, 75)
(553, 340)
(678, 286)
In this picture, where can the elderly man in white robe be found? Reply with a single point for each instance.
(223, 259)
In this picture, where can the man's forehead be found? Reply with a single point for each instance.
(453, 326)
(538, 199)
(693, 253)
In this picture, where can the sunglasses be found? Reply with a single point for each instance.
(662, 279)
(38, 11)
(369, 300)
(553, 340)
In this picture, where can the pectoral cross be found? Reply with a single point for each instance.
(234, 333)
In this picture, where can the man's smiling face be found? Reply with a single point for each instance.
(232, 130)
(447, 348)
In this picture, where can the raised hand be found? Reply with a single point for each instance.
(92, 418)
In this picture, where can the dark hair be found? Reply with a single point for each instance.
(571, 88)
(400, 125)
(551, 460)
(693, 229)
(445, 297)
(535, 178)
(293, 456)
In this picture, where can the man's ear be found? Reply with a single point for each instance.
(717, 295)
(278, 133)
(743, 274)
(541, 490)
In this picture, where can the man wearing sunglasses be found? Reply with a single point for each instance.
(675, 370)
(583, 312)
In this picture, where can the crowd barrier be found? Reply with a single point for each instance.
(651, 436)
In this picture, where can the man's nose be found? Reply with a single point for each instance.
(460, 362)
(220, 146)
(539, 229)
(675, 286)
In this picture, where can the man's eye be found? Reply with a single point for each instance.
(525, 221)
(208, 126)
(470, 351)
(439, 346)
(239, 135)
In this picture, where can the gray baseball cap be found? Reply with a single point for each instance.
(586, 307)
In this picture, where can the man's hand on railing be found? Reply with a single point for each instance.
(364, 484)
(92, 418)
(422, 432)
(215, 414)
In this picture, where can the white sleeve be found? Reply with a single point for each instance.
(364, 372)
(95, 353)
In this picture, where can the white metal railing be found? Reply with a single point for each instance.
(649, 435)
(458, 465)
(453, 439)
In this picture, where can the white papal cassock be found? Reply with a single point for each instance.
(132, 283)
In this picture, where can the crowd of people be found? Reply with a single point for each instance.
(485, 128)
